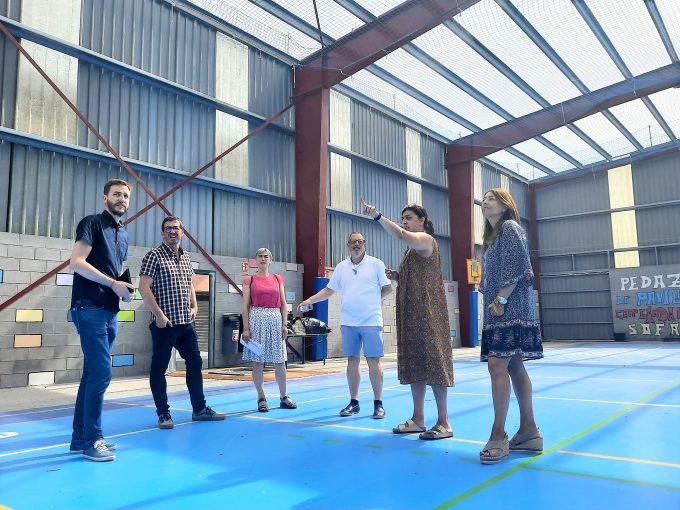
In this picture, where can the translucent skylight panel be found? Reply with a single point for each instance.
(573, 145)
(670, 13)
(514, 164)
(598, 127)
(631, 30)
(415, 73)
(640, 122)
(567, 33)
(260, 24)
(448, 49)
(379, 7)
(539, 152)
(493, 28)
(335, 21)
(394, 98)
(668, 103)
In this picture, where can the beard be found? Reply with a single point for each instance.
(115, 208)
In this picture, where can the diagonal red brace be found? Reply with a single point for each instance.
(156, 200)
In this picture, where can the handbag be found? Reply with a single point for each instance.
(309, 326)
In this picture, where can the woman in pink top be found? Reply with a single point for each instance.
(264, 314)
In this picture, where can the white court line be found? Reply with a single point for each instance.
(567, 399)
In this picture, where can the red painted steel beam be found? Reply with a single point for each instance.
(461, 219)
(483, 143)
(311, 162)
(374, 40)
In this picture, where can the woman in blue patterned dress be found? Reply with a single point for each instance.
(511, 333)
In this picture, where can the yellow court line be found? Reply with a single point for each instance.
(625, 459)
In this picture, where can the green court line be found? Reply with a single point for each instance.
(601, 477)
(502, 476)
(331, 440)
(376, 446)
(419, 452)
(296, 436)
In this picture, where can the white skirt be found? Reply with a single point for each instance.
(266, 329)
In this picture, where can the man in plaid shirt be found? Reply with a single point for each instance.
(167, 288)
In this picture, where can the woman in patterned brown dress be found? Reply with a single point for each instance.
(423, 338)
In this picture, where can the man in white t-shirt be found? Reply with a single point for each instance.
(363, 283)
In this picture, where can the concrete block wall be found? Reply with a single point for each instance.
(54, 354)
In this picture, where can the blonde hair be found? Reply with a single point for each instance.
(505, 199)
(264, 250)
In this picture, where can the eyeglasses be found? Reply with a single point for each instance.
(356, 241)
(172, 229)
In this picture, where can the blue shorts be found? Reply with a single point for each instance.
(370, 336)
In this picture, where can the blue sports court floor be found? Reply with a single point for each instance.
(610, 414)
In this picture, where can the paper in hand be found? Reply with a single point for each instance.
(253, 346)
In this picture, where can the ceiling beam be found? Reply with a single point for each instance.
(609, 47)
(511, 75)
(553, 56)
(369, 43)
(310, 31)
(486, 142)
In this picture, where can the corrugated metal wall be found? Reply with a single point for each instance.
(401, 164)
(151, 35)
(270, 87)
(45, 184)
(377, 136)
(5, 159)
(576, 247)
(143, 122)
(10, 8)
(272, 162)
(9, 60)
(248, 223)
(156, 125)
(433, 160)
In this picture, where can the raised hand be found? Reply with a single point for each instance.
(368, 209)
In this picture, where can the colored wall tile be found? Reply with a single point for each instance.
(387, 329)
(65, 279)
(29, 316)
(138, 295)
(233, 290)
(453, 333)
(252, 262)
(2, 273)
(291, 267)
(126, 316)
(27, 340)
(290, 297)
(40, 378)
(123, 360)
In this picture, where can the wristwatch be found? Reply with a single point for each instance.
(501, 300)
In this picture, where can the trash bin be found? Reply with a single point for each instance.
(232, 327)
(316, 345)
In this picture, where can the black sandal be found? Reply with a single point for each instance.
(287, 403)
(262, 405)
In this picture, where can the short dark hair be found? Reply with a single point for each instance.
(116, 182)
(171, 218)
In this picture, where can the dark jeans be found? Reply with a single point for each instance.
(97, 328)
(183, 338)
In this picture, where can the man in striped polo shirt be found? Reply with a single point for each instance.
(167, 288)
